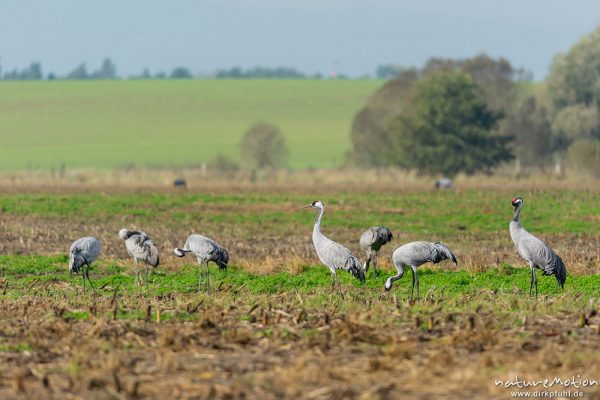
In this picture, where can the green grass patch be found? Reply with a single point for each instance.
(435, 284)
(172, 123)
(429, 213)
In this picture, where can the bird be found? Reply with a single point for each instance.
(443, 183)
(536, 252)
(332, 254)
(205, 250)
(82, 253)
(413, 255)
(141, 248)
(371, 241)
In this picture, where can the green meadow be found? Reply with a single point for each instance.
(170, 123)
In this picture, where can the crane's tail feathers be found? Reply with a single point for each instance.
(443, 253)
(385, 235)
(222, 258)
(75, 263)
(180, 252)
(354, 266)
(560, 271)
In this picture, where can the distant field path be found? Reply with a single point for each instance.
(104, 124)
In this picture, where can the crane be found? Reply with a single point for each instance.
(332, 254)
(371, 241)
(413, 255)
(536, 252)
(205, 250)
(83, 252)
(141, 248)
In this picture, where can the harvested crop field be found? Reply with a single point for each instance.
(273, 328)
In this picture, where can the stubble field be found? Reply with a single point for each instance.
(272, 328)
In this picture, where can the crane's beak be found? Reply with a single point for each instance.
(308, 206)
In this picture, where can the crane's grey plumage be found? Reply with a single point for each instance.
(205, 250)
(371, 241)
(332, 254)
(82, 253)
(141, 248)
(536, 252)
(413, 255)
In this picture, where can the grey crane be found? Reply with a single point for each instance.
(536, 252)
(371, 241)
(413, 255)
(82, 253)
(332, 254)
(205, 250)
(141, 248)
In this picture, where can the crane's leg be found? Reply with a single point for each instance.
(332, 280)
(375, 265)
(137, 273)
(412, 288)
(199, 275)
(146, 278)
(207, 279)
(368, 262)
(416, 276)
(531, 278)
(83, 276)
(535, 282)
(87, 275)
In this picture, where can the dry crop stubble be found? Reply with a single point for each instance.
(272, 327)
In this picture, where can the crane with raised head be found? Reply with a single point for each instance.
(536, 252)
(332, 254)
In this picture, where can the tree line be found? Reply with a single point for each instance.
(108, 70)
(475, 114)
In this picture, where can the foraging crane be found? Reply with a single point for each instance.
(332, 254)
(536, 252)
(371, 241)
(205, 250)
(141, 248)
(83, 252)
(413, 255)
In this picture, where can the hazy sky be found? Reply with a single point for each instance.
(349, 36)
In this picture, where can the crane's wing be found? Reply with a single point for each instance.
(200, 245)
(441, 252)
(540, 254)
(83, 250)
(368, 238)
(142, 247)
(337, 256)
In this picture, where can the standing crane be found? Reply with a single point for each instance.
(83, 252)
(332, 254)
(371, 241)
(413, 255)
(205, 250)
(142, 249)
(536, 252)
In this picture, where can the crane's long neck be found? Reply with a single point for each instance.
(517, 214)
(317, 227)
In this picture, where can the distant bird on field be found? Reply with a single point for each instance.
(141, 248)
(371, 241)
(415, 254)
(443, 183)
(82, 253)
(332, 254)
(205, 249)
(180, 183)
(536, 252)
